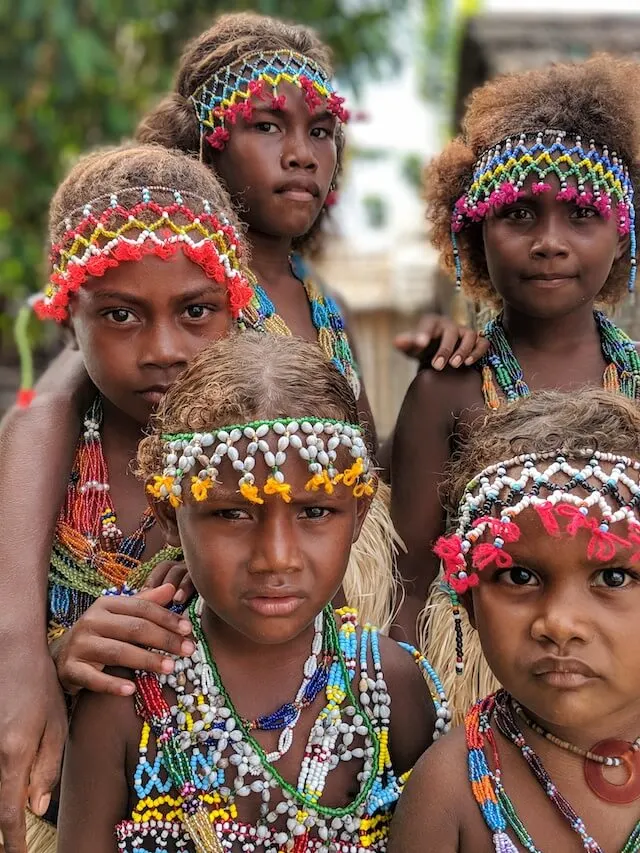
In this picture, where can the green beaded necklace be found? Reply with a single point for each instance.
(295, 793)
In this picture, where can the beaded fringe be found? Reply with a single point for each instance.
(370, 581)
(436, 638)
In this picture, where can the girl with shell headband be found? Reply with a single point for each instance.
(533, 211)
(289, 727)
(543, 554)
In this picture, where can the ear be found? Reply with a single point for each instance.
(622, 248)
(166, 517)
(68, 330)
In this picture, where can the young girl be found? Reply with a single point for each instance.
(533, 209)
(256, 467)
(545, 558)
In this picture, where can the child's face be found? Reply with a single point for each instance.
(141, 323)
(547, 257)
(267, 570)
(558, 629)
(278, 166)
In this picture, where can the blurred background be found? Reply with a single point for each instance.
(78, 73)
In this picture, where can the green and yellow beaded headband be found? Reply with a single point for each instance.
(316, 441)
(602, 181)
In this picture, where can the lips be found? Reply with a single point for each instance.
(549, 279)
(563, 672)
(274, 602)
(299, 189)
(154, 393)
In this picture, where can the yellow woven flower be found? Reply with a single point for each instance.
(318, 481)
(200, 488)
(273, 487)
(251, 493)
(351, 474)
(175, 500)
(155, 488)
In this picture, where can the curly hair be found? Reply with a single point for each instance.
(596, 99)
(544, 422)
(246, 377)
(128, 167)
(173, 122)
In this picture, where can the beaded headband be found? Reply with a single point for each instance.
(110, 229)
(562, 496)
(184, 451)
(500, 174)
(229, 92)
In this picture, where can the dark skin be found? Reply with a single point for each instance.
(548, 320)
(555, 631)
(265, 572)
(48, 432)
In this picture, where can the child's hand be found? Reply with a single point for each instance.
(174, 573)
(458, 344)
(117, 631)
(33, 722)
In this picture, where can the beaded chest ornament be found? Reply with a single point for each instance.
(622, 374)
(564, 497)
(201, 789)
(232, 91)
(316, 441)
(487, 785)
(602, 182)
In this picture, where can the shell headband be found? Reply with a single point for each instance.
(602, 181)
(562, 496)
(316, 441)
(233, 90)
(135, 223)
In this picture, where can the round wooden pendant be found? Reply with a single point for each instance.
(610, 792)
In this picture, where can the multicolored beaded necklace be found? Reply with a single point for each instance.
(206, 753)
(622, 374)
(90, 553)
(327, 319)
(496, 807)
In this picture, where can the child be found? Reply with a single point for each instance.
(146, 268)
(543, 227)
(257, 470)
(545, 559)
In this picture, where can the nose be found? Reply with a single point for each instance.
(549, 239)
(277, 549)
(562, 620)
(298, 152)
(162, 345)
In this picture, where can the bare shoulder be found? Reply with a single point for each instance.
(430, 814)
(451, 391)
(413, 715)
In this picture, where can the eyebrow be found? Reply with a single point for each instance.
(185, 296)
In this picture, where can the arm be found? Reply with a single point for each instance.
(94, 793)
(32, 719)
(422, 444)
(427, 819)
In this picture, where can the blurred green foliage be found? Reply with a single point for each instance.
(77, 73)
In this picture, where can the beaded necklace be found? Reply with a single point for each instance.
(90, 553)
(326, 316)
(621, 375)
(488, 790)
(208, 756)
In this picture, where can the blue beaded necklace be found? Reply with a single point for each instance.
(326, 317)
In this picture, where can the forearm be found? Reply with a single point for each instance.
(36, 454)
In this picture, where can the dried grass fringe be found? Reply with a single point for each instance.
(41, 836)
(436, 637)
(371, 582)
